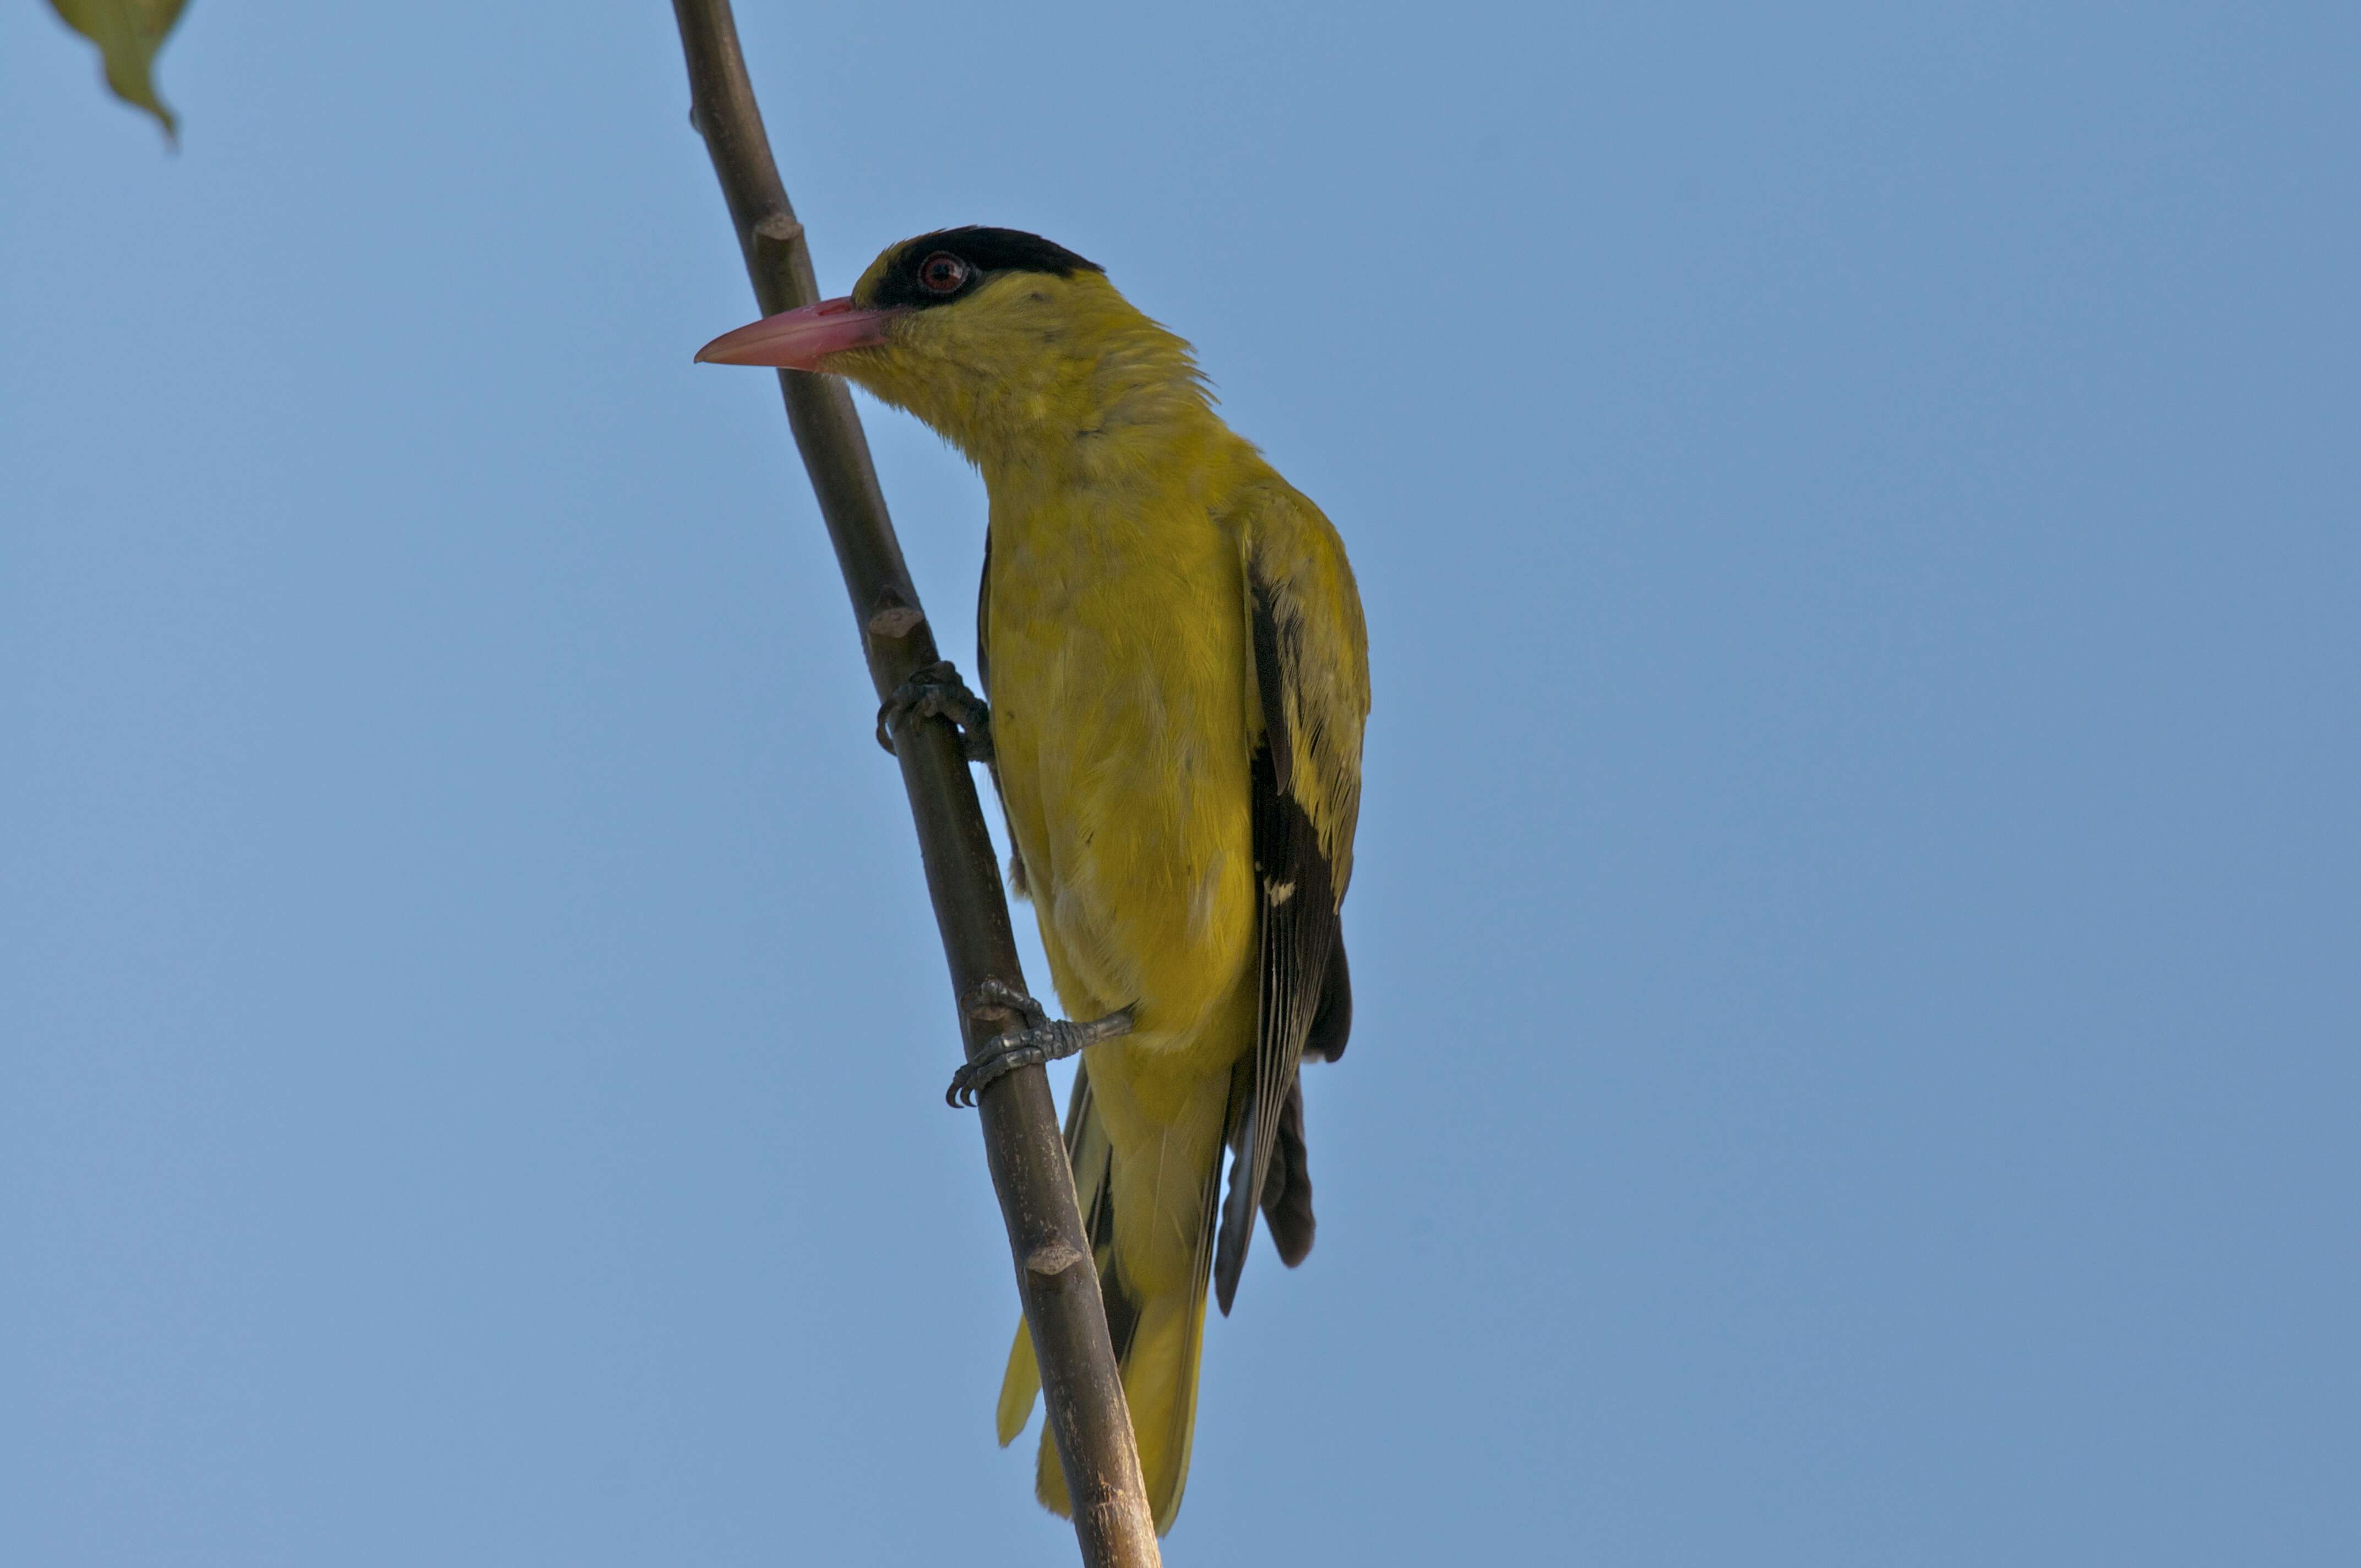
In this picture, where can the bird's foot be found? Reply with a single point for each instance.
(1042, 1039)
(936, 692)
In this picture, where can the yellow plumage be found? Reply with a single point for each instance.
(1146, 570)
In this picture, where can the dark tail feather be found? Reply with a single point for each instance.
(1333, 1020)
(1287, 1192)
(1286, 1197)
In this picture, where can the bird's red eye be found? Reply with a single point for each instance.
(942, 273)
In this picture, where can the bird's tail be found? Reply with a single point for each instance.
(1158, 1338)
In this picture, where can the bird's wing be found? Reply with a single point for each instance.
(984, 618)
(1312, 675)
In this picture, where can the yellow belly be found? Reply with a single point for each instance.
(1120, 675)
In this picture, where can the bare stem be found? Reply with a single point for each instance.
(1022, 1144)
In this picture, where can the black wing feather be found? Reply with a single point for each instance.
(984, 619)
(1297, 889)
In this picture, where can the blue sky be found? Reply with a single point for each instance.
(1856, 908)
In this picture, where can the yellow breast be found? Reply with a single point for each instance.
(1121, 685)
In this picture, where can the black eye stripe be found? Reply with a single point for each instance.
(980, 252)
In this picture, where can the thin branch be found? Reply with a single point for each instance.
(1028, 1156)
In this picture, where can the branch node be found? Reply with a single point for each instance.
(1051, 1258)
(891, 616)
(779, 229)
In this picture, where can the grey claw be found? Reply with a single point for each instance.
(993, 994)
(1009, 1052)
(1043, 1040)
(936, 692)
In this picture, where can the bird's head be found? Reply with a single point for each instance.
(1000, 340)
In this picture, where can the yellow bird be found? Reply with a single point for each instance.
(1173, 649)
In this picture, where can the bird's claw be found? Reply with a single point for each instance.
(936, 692)
(1041, 1040)
(1019, 1047)
(994, 994)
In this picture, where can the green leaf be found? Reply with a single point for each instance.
(127, 33)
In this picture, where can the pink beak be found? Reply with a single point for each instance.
(799, 340)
